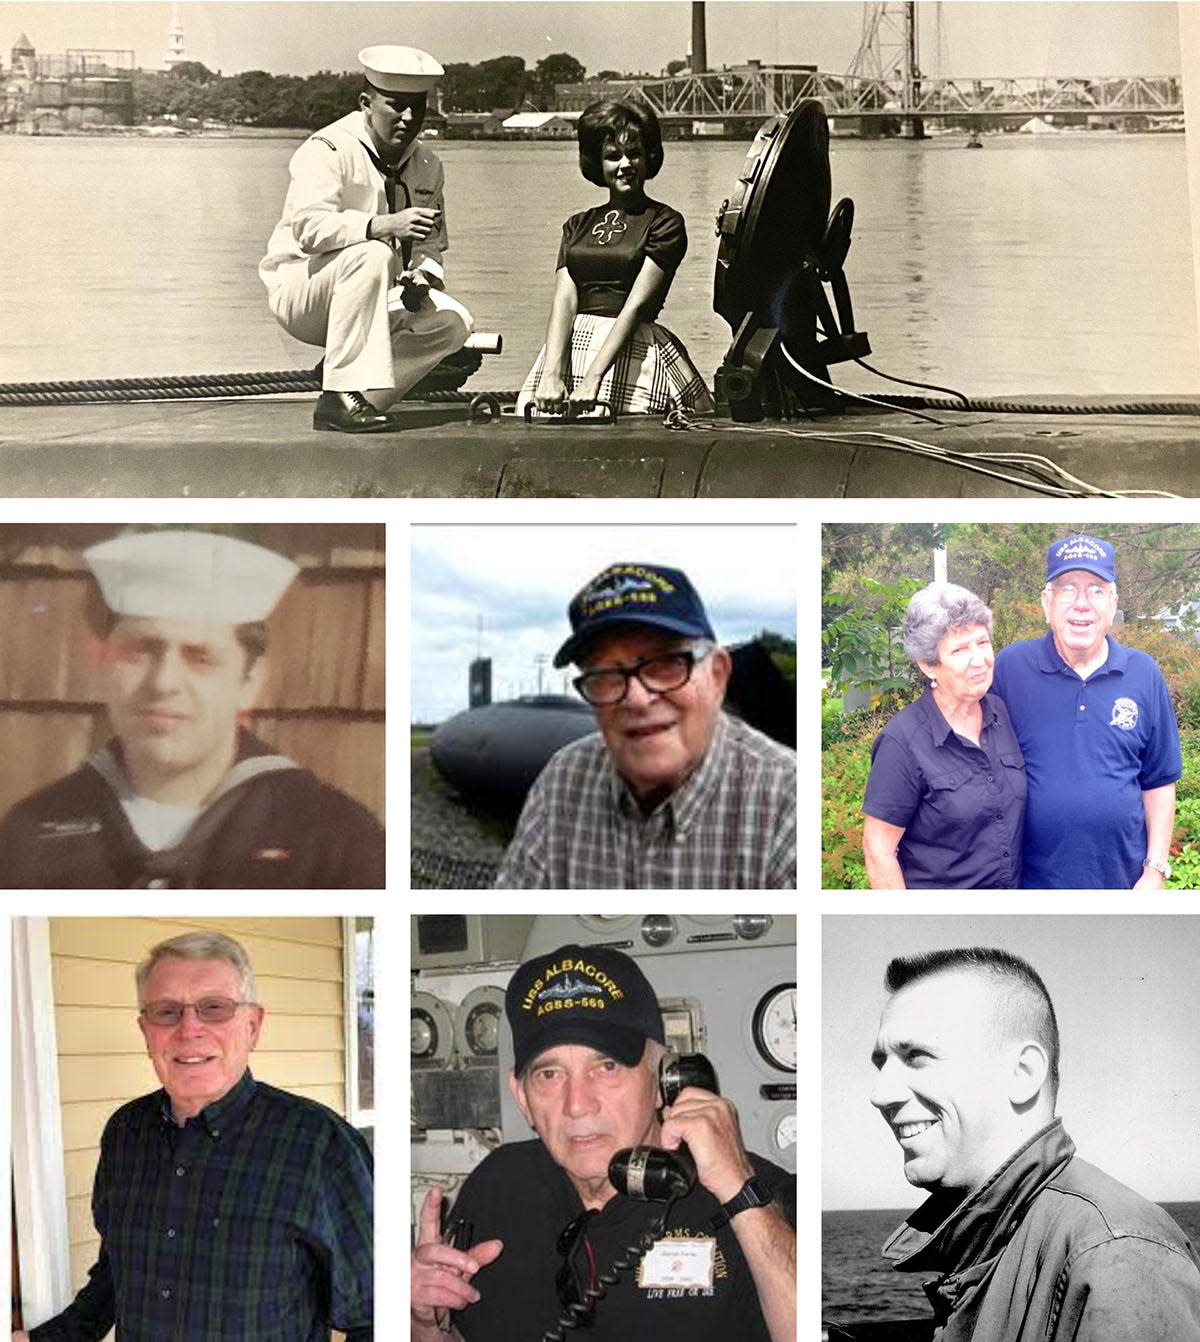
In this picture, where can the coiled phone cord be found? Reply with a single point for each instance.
(579, 1314)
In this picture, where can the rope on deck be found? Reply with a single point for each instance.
(1053, 406)
(200, 387)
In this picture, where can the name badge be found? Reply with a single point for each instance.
(678, 1264)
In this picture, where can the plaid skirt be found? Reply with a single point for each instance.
(651, 375)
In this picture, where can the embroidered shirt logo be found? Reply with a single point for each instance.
(1125, 714)
(611, 226)
(69, 829)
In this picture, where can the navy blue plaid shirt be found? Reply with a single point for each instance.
(250, 1223)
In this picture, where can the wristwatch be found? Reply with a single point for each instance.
(753, 1193)
(1163, 867)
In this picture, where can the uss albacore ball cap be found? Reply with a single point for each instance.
(1081, 552)
(189, 575)
(394, 69)
(588, 995)
(641, 594)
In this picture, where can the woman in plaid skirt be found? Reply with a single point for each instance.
(615, 266)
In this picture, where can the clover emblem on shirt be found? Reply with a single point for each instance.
(611, 226)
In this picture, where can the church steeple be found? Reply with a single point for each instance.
(174, 41)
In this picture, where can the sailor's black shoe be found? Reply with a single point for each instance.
(349, 412)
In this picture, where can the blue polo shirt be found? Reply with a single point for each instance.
(1091, 748)
(960, 805)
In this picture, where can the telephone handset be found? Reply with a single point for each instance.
(647, 1172)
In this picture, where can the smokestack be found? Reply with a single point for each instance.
(699, 40)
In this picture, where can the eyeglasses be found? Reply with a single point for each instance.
(660, 675)
(208, 1010)
(1068, 592)
(577, 1276)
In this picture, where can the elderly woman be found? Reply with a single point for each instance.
(945, 801)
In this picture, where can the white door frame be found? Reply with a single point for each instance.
(38, 1162)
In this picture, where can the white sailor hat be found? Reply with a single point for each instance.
(189, 575)
(400, 69)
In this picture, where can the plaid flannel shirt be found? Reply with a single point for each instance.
(731, 826)
(252, 1221)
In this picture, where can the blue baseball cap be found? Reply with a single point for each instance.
(638, 594)
(1081, 552)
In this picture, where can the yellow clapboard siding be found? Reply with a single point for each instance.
(116, 1077)
(80, 1229)
(80, 1171)
(97, 1030)
(300, 1034)
(126, 942)
(83, 1121)
(291, 1070)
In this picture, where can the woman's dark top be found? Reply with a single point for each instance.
(962, 806)
(603, 250)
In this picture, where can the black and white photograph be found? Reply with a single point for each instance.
(1010, 1106)
(648, 249)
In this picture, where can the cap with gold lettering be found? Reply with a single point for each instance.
(588, 995)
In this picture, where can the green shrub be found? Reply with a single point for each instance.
(844, 778)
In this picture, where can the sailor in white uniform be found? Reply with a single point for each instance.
(355, 263)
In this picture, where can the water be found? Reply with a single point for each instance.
(1033, 265)
(858, 1286)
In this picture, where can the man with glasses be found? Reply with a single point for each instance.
(1098, 733)
(225, 1207)
(355, 263)
(672, 792)
(552, 1238)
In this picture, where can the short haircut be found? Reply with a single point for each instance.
(252, 637)
(1024, 1007)
(199, 946)
(933, 612)
(615, 119)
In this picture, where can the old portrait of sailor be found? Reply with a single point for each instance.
(182, 794)
(355, 263)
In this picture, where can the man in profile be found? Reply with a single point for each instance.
(355, 262)
(671, 792)
(226, 1208)
(1028, 1242)
(183, 796)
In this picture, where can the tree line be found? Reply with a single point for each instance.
(256, 98)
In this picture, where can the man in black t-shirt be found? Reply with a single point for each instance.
(549, 1228)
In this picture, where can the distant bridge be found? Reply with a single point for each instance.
(762, 91)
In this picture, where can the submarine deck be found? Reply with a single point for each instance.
(265, 446)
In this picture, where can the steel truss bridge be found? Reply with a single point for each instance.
(761, 91)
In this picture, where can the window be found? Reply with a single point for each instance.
(359, 953)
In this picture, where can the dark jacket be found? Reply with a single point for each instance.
(272, 826)
(1050, 1249)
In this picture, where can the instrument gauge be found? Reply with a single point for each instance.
(431, 1031)
(477, 1022)
(774, 1027)
(785, 1132)
(751, 926)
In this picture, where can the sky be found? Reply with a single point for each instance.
(1127, 997)
(521, 579)
(980, 37)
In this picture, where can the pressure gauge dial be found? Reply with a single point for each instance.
(751, 926)
(774, 1027)
(431, 1031)
(477, 1022)
(784, 1135)
(658, 929)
